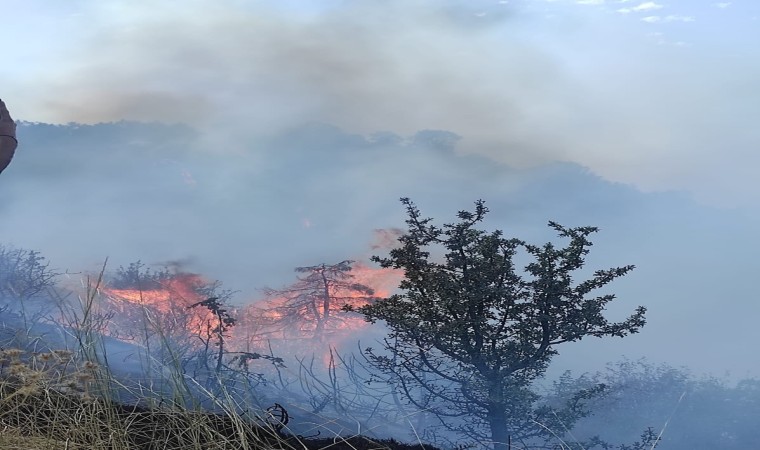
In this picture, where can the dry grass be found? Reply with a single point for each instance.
(66, 400)
(50, 401)
(14, 439)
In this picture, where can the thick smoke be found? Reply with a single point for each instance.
(518, 81)
(256, 184)
(316, 195)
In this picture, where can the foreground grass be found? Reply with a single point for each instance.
(47, 401)
(13, 439)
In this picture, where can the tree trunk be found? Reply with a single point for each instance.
(220, 354)
(497, 422)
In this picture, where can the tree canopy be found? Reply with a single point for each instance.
(471, 329)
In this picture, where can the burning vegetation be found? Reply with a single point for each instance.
(161, 299)
(309, 313)
(292, 331)
(466, 336)
(314, 306)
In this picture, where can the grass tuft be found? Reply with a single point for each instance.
(47, 401)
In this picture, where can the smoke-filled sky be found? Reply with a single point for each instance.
(662, 95)
(301, 123)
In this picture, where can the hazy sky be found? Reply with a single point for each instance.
(640, 117)
(663, 95)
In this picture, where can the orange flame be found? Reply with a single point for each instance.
(170, 306)
(259, 326)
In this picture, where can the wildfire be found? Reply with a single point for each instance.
(383, 281)
(306, 317)
(170, 306)
(312, 307)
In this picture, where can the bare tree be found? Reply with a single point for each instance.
(313, 305)
(214, 332)
(25, 277)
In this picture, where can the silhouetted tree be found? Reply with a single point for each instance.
(313, 304)
(137, 276)
(25, 276)
(470, 332)
(215, 328)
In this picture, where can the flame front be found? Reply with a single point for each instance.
(169, 308)
(305, 322)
